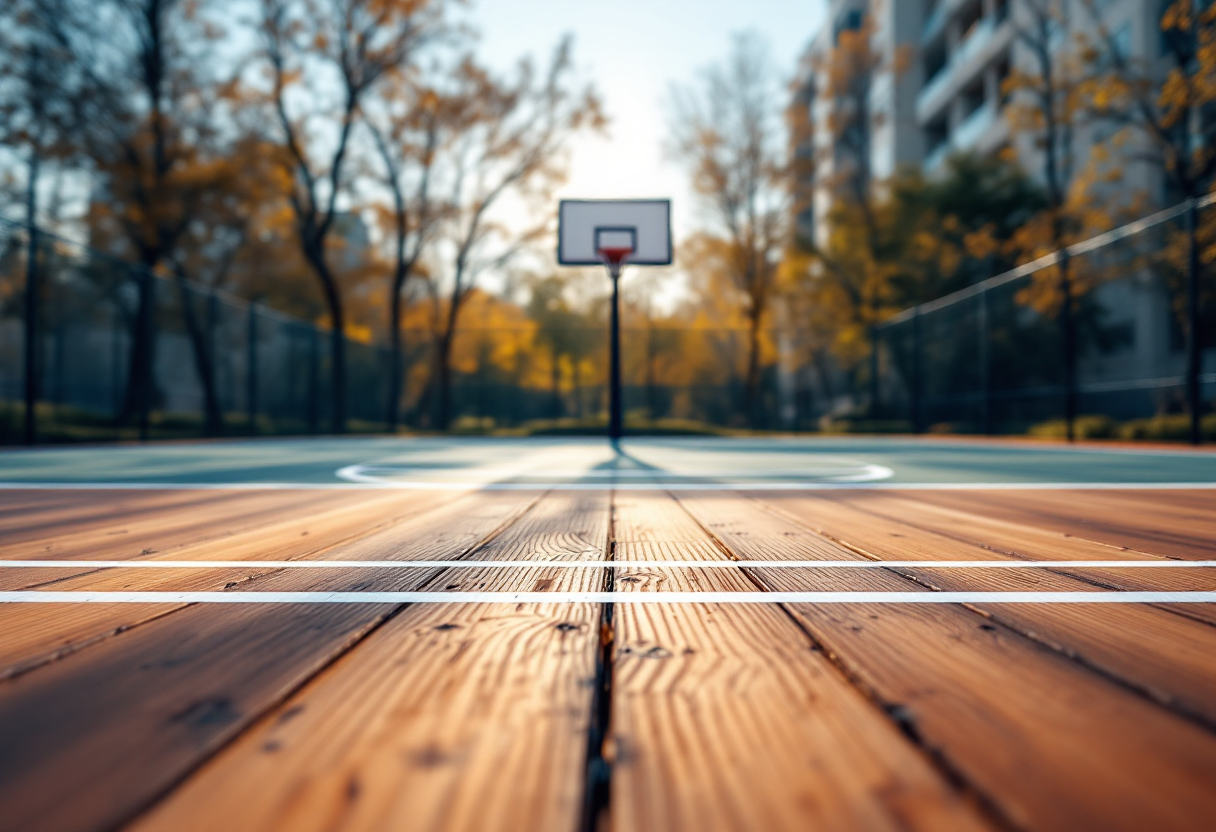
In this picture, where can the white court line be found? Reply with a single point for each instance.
(567, 486)
(843, 473)
(599, 564)
(1100, 597)
(583, 473)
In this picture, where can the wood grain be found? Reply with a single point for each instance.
(1092, 516)
(35, 634)
(727, 717)
(1048, 744)
(90, 739)
(175, 527)
(1152, 649)
(46, 513)
(467, 716)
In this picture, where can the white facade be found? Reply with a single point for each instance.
(948, 96)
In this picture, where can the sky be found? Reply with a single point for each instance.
(633, 50)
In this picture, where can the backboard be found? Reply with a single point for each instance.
(593, 231)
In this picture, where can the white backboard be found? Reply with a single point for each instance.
(584, 225)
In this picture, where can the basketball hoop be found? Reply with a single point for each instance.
(614, 232)
(614, 244)
(615, 257)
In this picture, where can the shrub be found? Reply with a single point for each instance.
(1084, 427)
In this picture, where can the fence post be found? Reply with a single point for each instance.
(874, 371)
(985, 368)
(116, 358)
(314, 379)
(1194, 355)
(147, 372)
(251, 373)
(213, 314)
(32, 335)
(1070, 349)
(916, 370)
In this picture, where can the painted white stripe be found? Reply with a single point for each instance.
(844, 471)
(598, 564)
(380, 473)
(38, 597)
(568, 486)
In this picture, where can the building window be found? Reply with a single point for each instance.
(934, 61)
(1002, 75)
(1121, 40)
(937, 135)
(970, 16)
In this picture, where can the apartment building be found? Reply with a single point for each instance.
(949, 96)
(940, 88)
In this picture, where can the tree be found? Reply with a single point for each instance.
(726, 128)
(509, 142)
(972, 211)
(1175, 115)
(1171, 108)
(1047, 106)
(153, 134)
(357, 44)
(852, 263)
(41, 87)
(557, 328)
(407, 134)
(38, 95)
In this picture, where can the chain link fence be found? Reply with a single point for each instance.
(1007, 355)
(1086, 340)
(220, 366)
(217, 365)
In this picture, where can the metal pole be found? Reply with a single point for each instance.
(614, 371)
(873, 370)
(115, 358)
(314, 379)
(251, 374)
(32, 334)
(1194, 357)
(213, 315)
(985, 369)
(916, 380)
(1070, 350)
(146, 369)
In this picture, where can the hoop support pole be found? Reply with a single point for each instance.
(615, 420)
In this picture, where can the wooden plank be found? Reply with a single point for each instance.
(1082, 514)
(304, 526)
(1165, 655)
(1048, 744)
(464, 716)
(996, 538)
(89, 740)
(51, 511)
(727, 717)
(35, 635)
(173, 528)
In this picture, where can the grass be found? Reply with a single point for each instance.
(1171, 428)
(67, 425)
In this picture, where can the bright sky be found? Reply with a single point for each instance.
(633, 50)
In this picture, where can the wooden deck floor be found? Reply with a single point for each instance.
(989, 716)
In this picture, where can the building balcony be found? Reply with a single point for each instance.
(936, 23)
(976, 39)
(974, 127)
(984, 42)
(937, 157)
(981, 132)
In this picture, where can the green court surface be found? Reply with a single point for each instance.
(641, 463)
